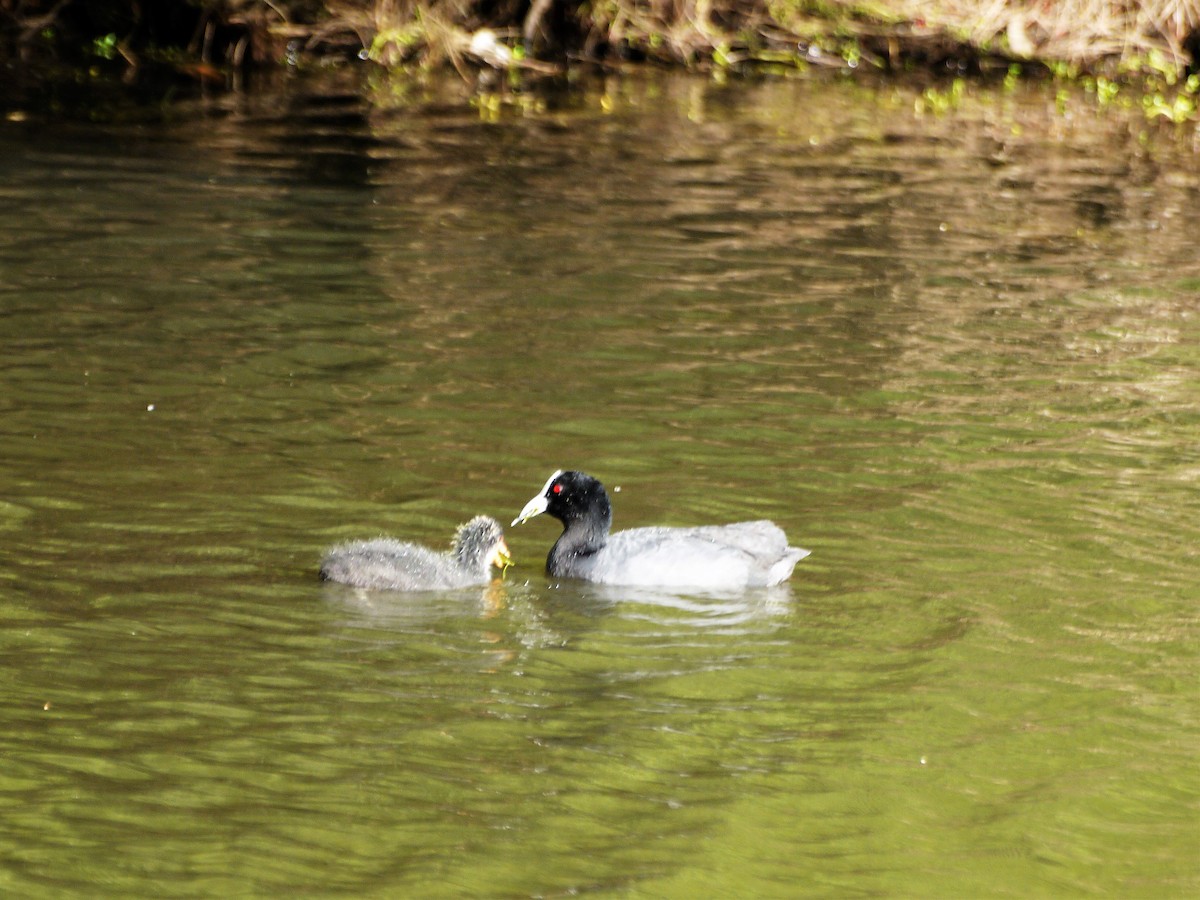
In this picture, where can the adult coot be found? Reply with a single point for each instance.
(716, 557)
(389, 565)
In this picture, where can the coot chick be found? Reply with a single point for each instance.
(713, 557)
(386, 564)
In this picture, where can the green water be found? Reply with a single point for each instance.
(954, 356)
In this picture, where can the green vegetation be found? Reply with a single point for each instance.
(1148, 49)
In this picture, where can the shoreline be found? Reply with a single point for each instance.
(1149, 49)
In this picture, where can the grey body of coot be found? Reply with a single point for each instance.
(387, 564)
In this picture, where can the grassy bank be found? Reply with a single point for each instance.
(1151, 46)
(1100, 37)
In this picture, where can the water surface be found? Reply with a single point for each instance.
(953, 355)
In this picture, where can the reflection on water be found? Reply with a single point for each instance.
(399, 608)
(953, 355)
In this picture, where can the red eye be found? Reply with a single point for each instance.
(556, 489)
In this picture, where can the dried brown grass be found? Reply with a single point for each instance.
(1091, 35)
(1131, 35)
(1082, 32)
